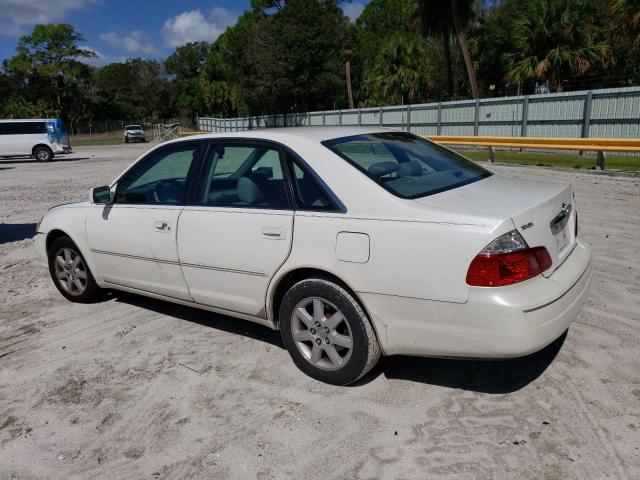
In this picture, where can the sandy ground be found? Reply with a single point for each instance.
(137, 388)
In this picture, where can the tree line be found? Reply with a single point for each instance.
(291, 55)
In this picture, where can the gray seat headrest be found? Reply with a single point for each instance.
(383, 168)
(249, 192)
(410, 169)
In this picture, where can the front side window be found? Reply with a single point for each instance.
(406, 165)
(238, 175)
(160, 178)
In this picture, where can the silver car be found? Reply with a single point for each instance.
(133, 133)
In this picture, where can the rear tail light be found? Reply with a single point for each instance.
(507, 260)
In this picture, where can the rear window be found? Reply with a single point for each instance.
(406, 165)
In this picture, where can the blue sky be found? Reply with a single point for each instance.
(118, 29)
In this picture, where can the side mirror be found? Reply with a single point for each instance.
(101, 195)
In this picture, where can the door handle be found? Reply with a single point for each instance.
(273, 233)
(162, 226)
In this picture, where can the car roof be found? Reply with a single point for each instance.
(317, 133)
(20, 120)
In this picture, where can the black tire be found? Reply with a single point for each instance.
(91, 292)
(43, 154)
(126, 139)
(364, 351)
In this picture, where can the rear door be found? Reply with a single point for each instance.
(238, 231)
(133, 240)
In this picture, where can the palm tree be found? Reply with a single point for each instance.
(556, 39)
(401, 73)
(625, 15)
(439, 18)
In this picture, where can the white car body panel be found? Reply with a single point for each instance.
(411, 281)
(220, 273)
(22, 145)
(123, 238)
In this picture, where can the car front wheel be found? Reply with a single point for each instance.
(70, 272)
(327, 333)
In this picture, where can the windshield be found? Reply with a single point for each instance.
(406, 165)
(133, 127)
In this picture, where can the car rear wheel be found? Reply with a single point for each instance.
(326, 332)
(43, 154)
(70, 272)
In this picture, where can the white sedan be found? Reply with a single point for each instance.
(353, 242)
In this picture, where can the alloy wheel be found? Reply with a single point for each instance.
(322, 333)
(70, 271)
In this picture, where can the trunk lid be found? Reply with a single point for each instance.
(541, 211)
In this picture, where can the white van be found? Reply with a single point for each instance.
(37, 138)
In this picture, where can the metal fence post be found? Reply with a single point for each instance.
(381, 116)
(525, 117)
(439, 127)
(324, 118)
(476, 118)
(359, 117)
(340, 117)
(408, 118)
(586, 117)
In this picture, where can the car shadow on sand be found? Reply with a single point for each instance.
(486, 376)
(202, 317)
(14, 232)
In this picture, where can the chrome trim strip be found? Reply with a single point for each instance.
(529, 310)
(192, 265)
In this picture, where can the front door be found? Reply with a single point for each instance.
(239, 233)
(133, 240)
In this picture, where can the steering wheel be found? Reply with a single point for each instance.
(168, 191)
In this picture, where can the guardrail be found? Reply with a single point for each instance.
(598, 145)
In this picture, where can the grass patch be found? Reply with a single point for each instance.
(586, 162)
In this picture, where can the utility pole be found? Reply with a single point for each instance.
(347, 68)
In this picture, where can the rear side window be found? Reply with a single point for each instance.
(406, 165)
(244, 176)
(309, 195)
(22, 128)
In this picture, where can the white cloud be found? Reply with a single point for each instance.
(100, 59)
(133, 42)
(352, 9)
(193, 26)
(15, 14)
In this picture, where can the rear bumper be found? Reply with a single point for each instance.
(501, 322)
